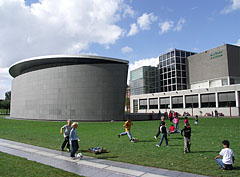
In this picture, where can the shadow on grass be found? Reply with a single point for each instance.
(236, 168)
(169, 138)
(204, 151)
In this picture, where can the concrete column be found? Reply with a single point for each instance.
(147, 104)
(170, 102)
(184, 104)
(216, 98)
(199, 100)
(236, 98)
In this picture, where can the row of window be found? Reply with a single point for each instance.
(172, 68)
(170, 61)
(207, 100)
(173, 53)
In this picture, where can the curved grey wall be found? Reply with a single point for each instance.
(84, 92)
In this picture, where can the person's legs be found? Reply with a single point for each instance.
(129, 135)
(64, 143)
(123, 133)
(219, 161)
(68, 143)
(188, 144)
(73, 150)
(166, 139)
(158, 133)
(185, 144)
(160, 143)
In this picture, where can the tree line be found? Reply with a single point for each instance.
(5, 104)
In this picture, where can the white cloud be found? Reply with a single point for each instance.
(57, 27)
(142, 62)
(238, 42)
(180, 24)
(134, 30)
(165, 26)
(5, 82)
(235, 5)
(146, 20)
(126, 49)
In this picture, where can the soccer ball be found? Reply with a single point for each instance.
(79, 155)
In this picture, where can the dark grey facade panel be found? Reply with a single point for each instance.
(233, 53)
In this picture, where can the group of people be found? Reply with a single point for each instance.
(227, 155)
(69, 132)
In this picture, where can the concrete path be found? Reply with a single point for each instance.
(88, 166)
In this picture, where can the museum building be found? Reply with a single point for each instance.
(61, 87)
(199, 85)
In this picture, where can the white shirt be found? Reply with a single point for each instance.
(227, 155)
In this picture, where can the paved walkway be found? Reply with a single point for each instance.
(88, 166)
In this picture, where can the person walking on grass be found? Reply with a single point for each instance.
(226, 163)
(74, 139)
(128, 124)
(164, 132)
(66, 128)
(158, 133)
(187, 136)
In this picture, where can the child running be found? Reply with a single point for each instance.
(128, 124)
(164, 132)
(67, 128)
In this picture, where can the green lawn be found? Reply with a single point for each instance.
(15, 166)
(206, 142)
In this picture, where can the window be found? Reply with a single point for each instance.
(177, 60)
(177, 53)
(208, 100)
(187, 54)
(178, 67)
(183, 60)
(168, 55)
(226, 99)
(164, 102)
(192, 101)
(153, 103)
(160, 58)
(182, 53)
(172, 60)
(183, 67)
(168, 62)
(143, 104)
(135, 106)
(172, 53)
(177, 102)
(173, 67)
(169, 75)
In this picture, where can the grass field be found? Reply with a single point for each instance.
(206, 142)
(15, 166)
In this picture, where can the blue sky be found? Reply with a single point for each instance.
(135, 30)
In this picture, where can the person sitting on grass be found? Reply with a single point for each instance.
(158, 133)
(67, 128)
(128, 124)
(171, 129)
(164, 132)
(74, 140)
(226, 163)
(187, 136)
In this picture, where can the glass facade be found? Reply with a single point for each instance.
(226, 99)
(144, 80)
(173, 70)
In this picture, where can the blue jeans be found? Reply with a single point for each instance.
(177, 129)
(74, 148)
(127, 133)
(164, 135)
(219, 161)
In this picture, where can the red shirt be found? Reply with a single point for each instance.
(172, 128)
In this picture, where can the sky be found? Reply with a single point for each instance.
(134, 30)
